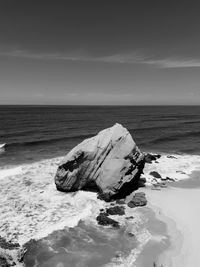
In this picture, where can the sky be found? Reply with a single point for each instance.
(105, 52)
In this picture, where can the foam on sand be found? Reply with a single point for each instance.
(177, 167)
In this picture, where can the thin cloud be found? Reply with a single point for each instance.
(128, 58)
(174, 63)
(46, 56)
(117, 58)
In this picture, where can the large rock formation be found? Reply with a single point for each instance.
(109, 163)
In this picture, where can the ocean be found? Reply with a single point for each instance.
(60, 229)
(32, 133)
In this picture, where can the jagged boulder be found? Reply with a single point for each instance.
(109, 163)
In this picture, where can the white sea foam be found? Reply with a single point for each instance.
(142, 235)
(31, 207)
(137, 226)
(177, 167)
(2, 146)
(10, 172)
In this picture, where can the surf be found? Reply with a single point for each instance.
(2, 146)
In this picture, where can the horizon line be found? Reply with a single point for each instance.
(99, 105)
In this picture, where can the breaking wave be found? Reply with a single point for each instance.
(46, 141)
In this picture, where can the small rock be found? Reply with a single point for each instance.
(138, 200)
(131, 204)
(150, 157)
(104, 196)
(171, 157)
(155, 174)
(168, 179)
(116, 210)
(130, 234)
(129, 218)
(118, 254)
(103, 219)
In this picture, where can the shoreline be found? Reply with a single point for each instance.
(164, 207)
(177, 208)
(158, 242)
(174, 235)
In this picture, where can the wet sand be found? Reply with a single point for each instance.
(179, 209)
(158, 242)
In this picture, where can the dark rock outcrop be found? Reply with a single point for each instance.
(109, 163)
(138, 200)
(168, 179)
(151, 157)
(155, 175)
(116, 210)
(104, 220)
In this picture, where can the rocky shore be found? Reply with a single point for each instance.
(111, 165)
(138, 200)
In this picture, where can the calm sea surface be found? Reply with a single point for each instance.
(32, 133)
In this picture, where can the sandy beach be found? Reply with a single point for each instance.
(179, 209)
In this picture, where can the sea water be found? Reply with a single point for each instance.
(62, 226)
